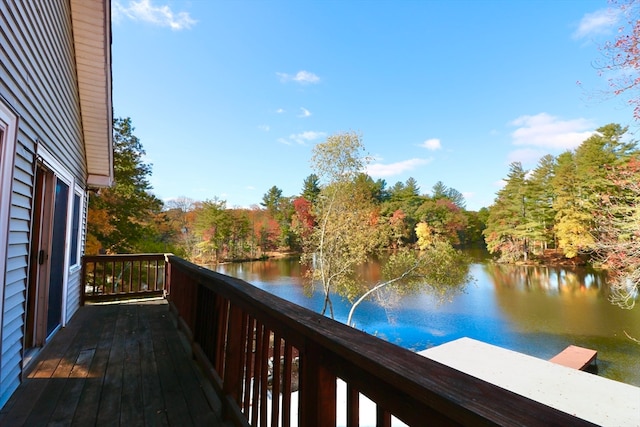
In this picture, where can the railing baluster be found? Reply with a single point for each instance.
(232, 379)
(104, 278)
(317, 389)
(257, 372)
(221, 310)
(156, 277)
(353, 406)
(114, 286)
(383, 418)
(131, 285)
(286, 385)
(264, 374)
(276, 380)
(248, 339)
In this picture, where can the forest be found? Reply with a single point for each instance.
(570, 202)
(128, 218)
(581, 205)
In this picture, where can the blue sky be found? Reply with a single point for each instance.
(229, 97)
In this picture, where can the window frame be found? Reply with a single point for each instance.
(8, 142)
(76, 227)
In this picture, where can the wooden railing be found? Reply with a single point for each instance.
(275, 363)
(112, 277)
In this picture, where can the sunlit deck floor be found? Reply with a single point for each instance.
(118, 364)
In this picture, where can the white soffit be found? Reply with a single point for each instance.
(91, 21)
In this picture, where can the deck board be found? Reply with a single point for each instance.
(117, 364)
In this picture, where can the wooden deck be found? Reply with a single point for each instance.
(118, 364)
(575, 357)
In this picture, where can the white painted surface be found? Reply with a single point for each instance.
(599, 400)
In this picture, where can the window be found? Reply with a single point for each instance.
(75, 230)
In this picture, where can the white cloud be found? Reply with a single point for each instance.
(302, 77)
(250, 187)
(545, 130)
(431, 144)
(599, 22)
(144, 10)
(264, 128)
(525, 155)
(304, 112)
(382, 170)
(302, 137)
(280, 111)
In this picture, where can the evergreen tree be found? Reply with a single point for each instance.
(570, 220)
(272, 200)
(581, 181)
(540, 198)
(311, 187)
(441, 191)
(507, 230)
(120, 218)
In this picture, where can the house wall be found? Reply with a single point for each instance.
(37, 81)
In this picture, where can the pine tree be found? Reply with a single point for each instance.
(540, 199)
(120, 218)
(507, 229)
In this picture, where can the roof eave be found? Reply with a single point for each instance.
(91, 23)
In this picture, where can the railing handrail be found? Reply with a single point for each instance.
(411, 387)
(125, 257)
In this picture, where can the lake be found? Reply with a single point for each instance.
(533, 310)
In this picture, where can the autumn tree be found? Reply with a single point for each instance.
(437, 268)
(181, 213)
(405, 198)
(349, 228)
(281, 210)
(213, 227)
(303, 219)
(622, 55)
(618, 223)
(444, 217)
(120, 218)
(344, 235)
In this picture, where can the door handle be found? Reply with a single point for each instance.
(42, 256)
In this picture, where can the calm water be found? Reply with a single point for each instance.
(534, 310)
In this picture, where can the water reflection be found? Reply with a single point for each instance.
(534, 310)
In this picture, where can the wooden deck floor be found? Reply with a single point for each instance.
(119, 364)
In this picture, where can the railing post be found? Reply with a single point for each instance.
(83, 281)
(317, 390)
(167, 275)
(232, 380)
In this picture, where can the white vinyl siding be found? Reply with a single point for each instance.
(73, 294)
(38, 81)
